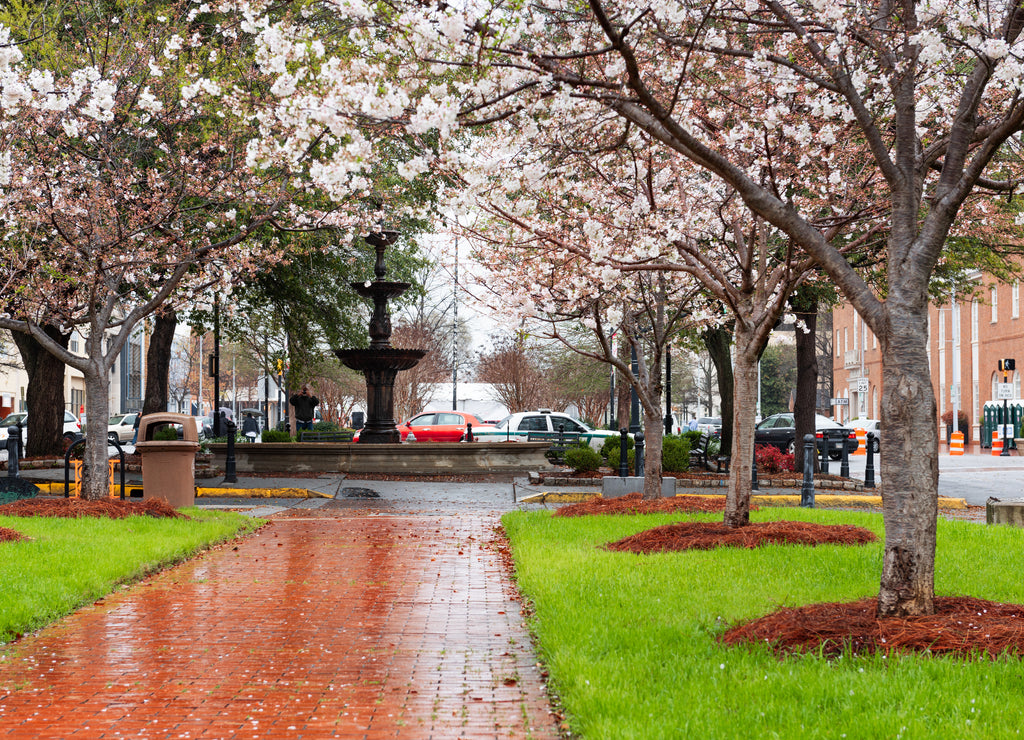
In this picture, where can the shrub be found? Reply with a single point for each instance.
(771, 459)
(614, 457)
(583, 458)
(614, 443)
(326, 426)
(166, 434)
(273, 435)
(675, 454)
(693, 436)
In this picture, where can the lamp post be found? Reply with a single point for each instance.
(668, 389)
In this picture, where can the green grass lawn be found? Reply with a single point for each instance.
(71, 562)
(630, 640)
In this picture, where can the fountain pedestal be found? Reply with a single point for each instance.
(381, 362)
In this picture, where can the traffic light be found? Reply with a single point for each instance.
(1009, 365)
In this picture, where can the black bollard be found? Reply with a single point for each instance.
(13, 450)
(229, 457)
(753, 473)
(807, 490)
(639, 453)
(469, 432)
(824, 454)
(869, 464)
(844, 466)
(623, 454)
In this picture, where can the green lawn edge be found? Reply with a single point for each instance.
(69, 563)
(630, 641)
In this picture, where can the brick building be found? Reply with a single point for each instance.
(966, 340)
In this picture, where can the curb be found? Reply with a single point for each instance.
(777, 499)
(54, 488)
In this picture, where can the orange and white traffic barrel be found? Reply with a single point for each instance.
(956, 443)
(997, 443)
(862, 442)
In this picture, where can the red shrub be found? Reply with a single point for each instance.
(771, 459)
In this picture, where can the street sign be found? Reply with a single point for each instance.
(1004, 391)
(840, 401)
(862, 385)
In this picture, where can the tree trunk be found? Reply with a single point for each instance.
(95, 472)
(717, 342)
(44, 396)
(805, 406)
(158, 362)
(910, 467)
(737, 500)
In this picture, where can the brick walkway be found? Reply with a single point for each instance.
(351, 626)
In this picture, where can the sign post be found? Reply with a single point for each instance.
(1004, 391)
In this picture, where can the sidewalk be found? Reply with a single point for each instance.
(348, 617)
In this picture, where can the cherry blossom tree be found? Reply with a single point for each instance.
(929, 92)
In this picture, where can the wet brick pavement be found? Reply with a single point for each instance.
(333, 621)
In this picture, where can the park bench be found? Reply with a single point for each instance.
(560, 442)
(700, 455)
(307, 435)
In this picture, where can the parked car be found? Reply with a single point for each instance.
(72, 428)
(869, 425)
(517, 427)
(709, 424)
(437, 426)
(121, 427)
(779, 430)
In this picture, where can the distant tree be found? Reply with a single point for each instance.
(518, 379)
(778, 378)
(413, 387)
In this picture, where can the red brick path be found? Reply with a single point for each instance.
(358, 627)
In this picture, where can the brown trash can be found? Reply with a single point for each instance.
(169, 466)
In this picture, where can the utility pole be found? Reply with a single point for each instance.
(455, 332)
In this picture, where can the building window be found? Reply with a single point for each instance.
(1015, 300)
(76, 339)
(1016, 384)
(995, 305)
(942, 331)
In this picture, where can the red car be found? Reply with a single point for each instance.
(437, 426)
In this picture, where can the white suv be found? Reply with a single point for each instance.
(71, 426)
(517, 427)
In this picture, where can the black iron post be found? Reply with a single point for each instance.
(824, 454)
(13, 450)
(869, 464)
(215, 367)
(469, 432)
(229, 456)
(668, 390)
(807, 489)
(623, 454)
(844, 466)
(753, 472)
(638, 453)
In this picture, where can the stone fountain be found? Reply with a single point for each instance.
(381, 362)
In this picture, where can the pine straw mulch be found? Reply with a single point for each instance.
(633, 503)
(73, 508)
(709, 535)
(9, 535)
(961, 626)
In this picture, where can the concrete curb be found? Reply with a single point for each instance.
(774, 499)
(54, 488)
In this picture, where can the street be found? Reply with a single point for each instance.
(973, 478)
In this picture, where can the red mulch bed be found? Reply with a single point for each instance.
(961, 625)
(633, 503)
(9, 535)
(709, 535)
(73, 508)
